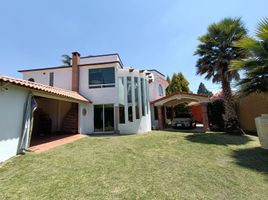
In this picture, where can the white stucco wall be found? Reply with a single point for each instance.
(143, 124)
(97, 95)
(62, 77)
(86, 122)
(12, 103)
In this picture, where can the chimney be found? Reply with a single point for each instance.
(75, 71)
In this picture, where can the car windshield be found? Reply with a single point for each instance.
(184, 115)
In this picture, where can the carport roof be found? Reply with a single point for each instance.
(195, 97)
(44, 88)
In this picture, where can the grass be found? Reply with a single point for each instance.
(158, 165)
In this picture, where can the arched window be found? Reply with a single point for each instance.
(160, 90)
(31, 79)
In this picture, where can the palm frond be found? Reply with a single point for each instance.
(262, 29)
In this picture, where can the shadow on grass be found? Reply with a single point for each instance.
(218, 139)
(254, 158)
(195, 130)
(107, 135)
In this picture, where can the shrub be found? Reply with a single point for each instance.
(215, 115)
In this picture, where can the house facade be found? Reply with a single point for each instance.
(93, 95)
(120, 96)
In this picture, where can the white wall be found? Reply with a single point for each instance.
(143, 124)
(97, 95)
(11, 116)
(85, 125)
(62, 77)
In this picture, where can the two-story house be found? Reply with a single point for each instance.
(92, 95)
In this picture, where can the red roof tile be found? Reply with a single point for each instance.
(45, 88)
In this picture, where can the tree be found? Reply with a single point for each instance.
(184, 84)
(203, 90)
(178, 83)
(256, 65)
(66, 59)
(168, 90)
(216, 51)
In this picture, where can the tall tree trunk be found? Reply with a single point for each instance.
(231, 123)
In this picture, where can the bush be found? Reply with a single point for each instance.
(215, 115)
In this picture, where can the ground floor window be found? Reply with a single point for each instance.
(121, 114)
(130, 114)
(103, 117)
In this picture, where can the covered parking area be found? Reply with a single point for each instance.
(33, 113)
(160, 107)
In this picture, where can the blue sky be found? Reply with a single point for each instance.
(152, 34)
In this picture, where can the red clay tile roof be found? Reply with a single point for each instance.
(45, 88)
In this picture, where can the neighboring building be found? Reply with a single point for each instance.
(157, 88)
(96, 94)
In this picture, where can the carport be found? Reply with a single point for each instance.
(174, 99)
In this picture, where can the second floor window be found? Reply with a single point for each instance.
(102, 77)
(51, 79)
(160, 90)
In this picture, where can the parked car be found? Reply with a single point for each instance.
(184, 120)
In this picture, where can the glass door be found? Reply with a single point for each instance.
(104, 118)
(98, 118)
(109, 117)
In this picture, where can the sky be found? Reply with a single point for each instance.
(151, 34)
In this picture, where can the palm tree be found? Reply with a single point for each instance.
(66, 59)
(215, 53)
(256, 65)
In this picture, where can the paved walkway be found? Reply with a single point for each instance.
(54, 142)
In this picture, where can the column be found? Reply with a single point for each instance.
(205, 117)
(160, 117)
(116, 119)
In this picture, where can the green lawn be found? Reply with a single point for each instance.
(158, 165)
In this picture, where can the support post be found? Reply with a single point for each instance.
(205, 117)
(160, 117)
(165, 115)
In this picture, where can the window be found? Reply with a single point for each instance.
(142, 97)
(121, 114)
(51, 78)
(137, 107)
(121, 90)
(130, 114)
(129, 99)
(160, 90)
(31, 79)
(100, 78)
